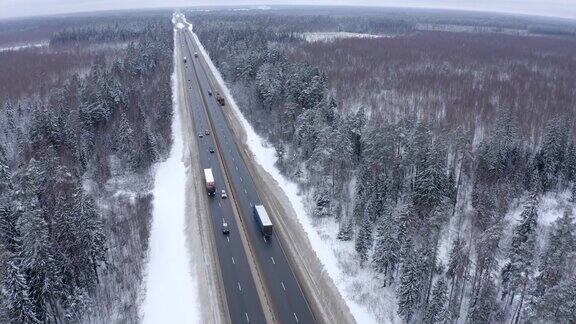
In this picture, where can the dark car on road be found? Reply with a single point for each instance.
(211, 150)
(225, 228)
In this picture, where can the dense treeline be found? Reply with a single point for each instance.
(399, 184)
(62, 235)
(107, 31)
(425, 74)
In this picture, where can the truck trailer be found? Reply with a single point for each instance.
(210, 185)
(263, 220)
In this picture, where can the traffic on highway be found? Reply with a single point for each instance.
(230, 188)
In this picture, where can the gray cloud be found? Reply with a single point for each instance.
(556, 8)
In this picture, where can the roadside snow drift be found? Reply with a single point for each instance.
(171, 289)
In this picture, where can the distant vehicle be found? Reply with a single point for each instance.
(225, 228)
(200, 135)
(206, 132)
(263, 220)
(220, 99)
(211, 150)
(224, 196)
(184, 59)
(195, 54)
(210, 185)
(209, 92)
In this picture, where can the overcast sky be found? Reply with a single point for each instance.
(556, 8)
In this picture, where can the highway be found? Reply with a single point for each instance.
(241, 294)
(288, 300)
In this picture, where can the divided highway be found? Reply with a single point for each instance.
(241, 294)
(288, 301)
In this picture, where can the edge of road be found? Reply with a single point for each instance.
(214, 309)
(261, 288)
(318, 287)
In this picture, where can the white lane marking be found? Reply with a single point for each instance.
(236, 167)
(228, 238)
(239, 287)
(245, 191)
(241, 179)
(250, 204)
(283, 287)
(247, 319)
(264, 238)
(219, 204)
(296, 317)
(234, 262)
(223, 221)
(272, 258)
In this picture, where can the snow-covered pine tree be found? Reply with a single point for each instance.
(410, 286)
(557, 255)
(459, 259)
(16, 306)
(8, 232)
(125, 143)
(436, 312)
(518, 270)
(557, 303)
(553, 151)
(386, 250)
(364, 239)
(38, 261)
(483, 306)
(150, 152)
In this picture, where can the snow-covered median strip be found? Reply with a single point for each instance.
(171, 287)
(266, 157)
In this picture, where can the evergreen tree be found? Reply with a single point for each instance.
(322, 200)
(410, 287)
(17, 306)
(364, 239)
(521, 255)
(387, 248)
(38, 262)
(150, 150)
(125, 143)
(483, 306)
(557, 255)
(431, 182)
(553, 151)
(8, 232)
(436, 311)
(557, 304)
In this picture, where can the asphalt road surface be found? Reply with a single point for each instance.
(289, 302)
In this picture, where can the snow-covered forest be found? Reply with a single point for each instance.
(82, 120)
(437, 153)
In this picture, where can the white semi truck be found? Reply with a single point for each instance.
(263, 220)
(210, 185)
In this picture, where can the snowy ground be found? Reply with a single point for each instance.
(171, 288)
(312, 37)
(23, 46)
